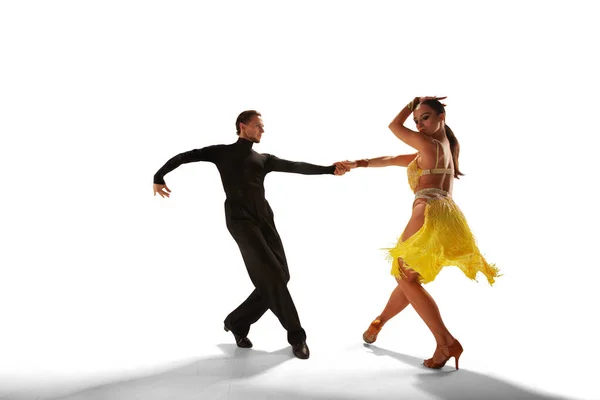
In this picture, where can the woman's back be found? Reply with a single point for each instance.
(433, 168)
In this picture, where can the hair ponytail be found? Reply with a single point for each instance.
(455, 149)
(454, 146)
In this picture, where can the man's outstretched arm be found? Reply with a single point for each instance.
(277, 164)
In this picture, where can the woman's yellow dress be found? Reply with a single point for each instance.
(445, 238)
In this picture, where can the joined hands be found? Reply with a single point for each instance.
(341, 167)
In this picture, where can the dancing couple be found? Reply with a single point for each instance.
(437, 233)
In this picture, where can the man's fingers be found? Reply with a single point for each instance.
(162, 193)
(162, 189)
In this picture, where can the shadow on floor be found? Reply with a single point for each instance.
(462, 384)
(237, 374)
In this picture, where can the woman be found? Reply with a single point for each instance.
(437, 233)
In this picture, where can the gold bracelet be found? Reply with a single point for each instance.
(413, 103)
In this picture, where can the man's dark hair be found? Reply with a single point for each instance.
(244, 118)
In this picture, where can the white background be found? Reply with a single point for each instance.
(98, 276)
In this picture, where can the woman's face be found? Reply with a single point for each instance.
(426, 120)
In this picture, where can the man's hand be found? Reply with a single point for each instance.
(162, 190)
(340, 168)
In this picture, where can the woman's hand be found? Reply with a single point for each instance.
(425, 98)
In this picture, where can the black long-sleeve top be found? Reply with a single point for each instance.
(242, 169)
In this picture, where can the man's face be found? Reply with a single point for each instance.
(253, 130)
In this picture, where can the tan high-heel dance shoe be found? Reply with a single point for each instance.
(371, 333)
(454, 350)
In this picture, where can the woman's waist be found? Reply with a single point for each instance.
(431, 193)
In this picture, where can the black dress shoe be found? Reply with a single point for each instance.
(300, 350)
(242, 342)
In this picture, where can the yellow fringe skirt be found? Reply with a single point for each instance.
(445, 239)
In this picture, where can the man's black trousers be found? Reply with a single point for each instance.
(263, 254)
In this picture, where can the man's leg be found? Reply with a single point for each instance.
(247, 313)
(275, 244)
(269, 277)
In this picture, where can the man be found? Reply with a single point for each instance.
(250, 221)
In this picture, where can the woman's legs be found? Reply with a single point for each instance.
(416, 294)
(395, 304)
(398, 300)
(425, 306)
